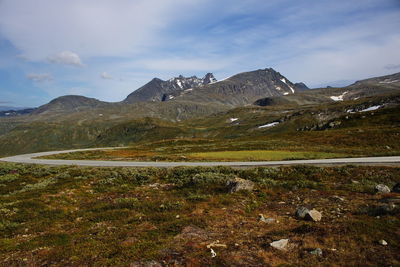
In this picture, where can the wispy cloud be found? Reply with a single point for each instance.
(36, 77)
(106, 76)
(138, 40)
(66, 58)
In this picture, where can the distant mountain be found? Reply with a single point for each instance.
(243, 88)
(301, 86)
(69, 103)
(16, 112)
(392, 79)
(384, 85)
(9, 108)
(159, 90)
(191, 108)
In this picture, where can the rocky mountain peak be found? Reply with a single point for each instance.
(209, 78)
(159, 90)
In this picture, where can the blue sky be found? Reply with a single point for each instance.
(107, 49)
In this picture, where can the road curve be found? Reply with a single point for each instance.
(32, 159)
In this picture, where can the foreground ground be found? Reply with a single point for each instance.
(137, 217)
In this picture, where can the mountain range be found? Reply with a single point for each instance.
(240, 89)
(185, 107)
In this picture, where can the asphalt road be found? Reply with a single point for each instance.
(31, 159)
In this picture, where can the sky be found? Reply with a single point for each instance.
(106, 49)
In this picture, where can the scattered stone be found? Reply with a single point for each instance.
(396, 188)
(161, 186)
(239, 184)
(383, 242)
(337, 198)
(313, 215)
(301, 212)
(213, 254)
(317, 252)
(261, 218)
(216, 244)
(381, 188)
(280, 244)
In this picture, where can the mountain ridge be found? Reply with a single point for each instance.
(160, 90)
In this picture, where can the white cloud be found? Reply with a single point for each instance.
(39, 77)
(66, 58)
(186, 64)
(106, 76)
(91, 28)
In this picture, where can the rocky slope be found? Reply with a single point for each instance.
(159, 90)
(243, 88)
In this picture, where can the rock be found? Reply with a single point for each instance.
(280, 244)
(381, 188)
(337, 198)
(261, 218)
(396, 188)
(239, 184)
(216, 244)
(301, 212)
(313, 215)
(213, 254)
(383, 242)
(317, 252)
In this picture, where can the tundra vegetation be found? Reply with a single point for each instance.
(80, 216)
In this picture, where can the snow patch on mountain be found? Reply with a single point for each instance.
(272, 124)
(371, 108)
(389, 81)
(339, 97)
(284, 81)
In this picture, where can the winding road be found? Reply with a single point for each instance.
(32, 159)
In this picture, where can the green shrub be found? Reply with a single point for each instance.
(6, 178)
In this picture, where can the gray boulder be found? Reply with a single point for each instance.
(313, 215)
(239, 184)
(280, 244)
(301, 212)
(317, 252)
(381, 188)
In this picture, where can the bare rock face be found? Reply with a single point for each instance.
(239, 184)
(381, 188)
